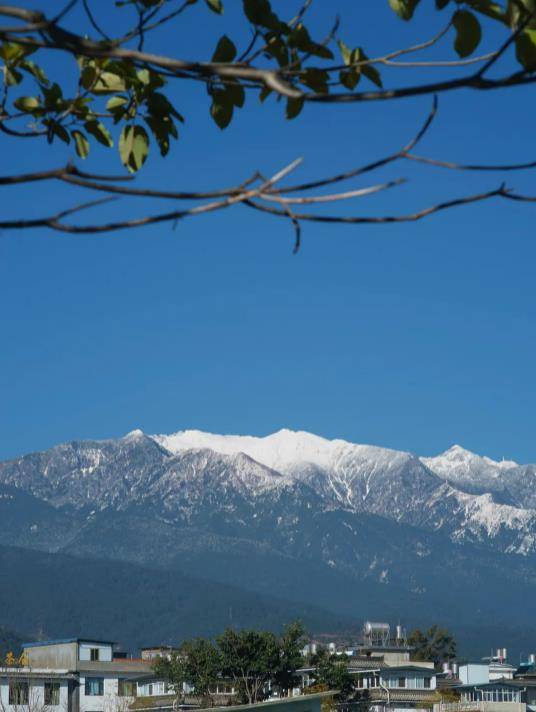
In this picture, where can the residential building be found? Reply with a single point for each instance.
(71, 675)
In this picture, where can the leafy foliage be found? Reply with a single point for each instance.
(123, 101)
(332, 673)
(250, 658)
(198, 663)
(435, 645)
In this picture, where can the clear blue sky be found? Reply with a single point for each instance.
(411, 336)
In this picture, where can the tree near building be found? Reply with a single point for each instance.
(435, 645)
(332, 673)
(197, 663)
(114, 88)
(251, 659)
(290, 657)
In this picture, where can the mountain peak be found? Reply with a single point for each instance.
(134, 434)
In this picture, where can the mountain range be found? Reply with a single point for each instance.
(345, 531)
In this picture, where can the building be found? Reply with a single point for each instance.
(389, 688)
(386, 678)
(492, 685)
(71, 675)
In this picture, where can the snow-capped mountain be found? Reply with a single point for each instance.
(470, 472)
(470, 498)
(288, 508)
(466, 497)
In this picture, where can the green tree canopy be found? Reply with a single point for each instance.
(435, 645)
(332, 673)
(250, 658)
(197, 663)
(290, 656)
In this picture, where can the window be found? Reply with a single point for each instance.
(126, 688)
(94, 686)
(427, 683)
(401, 682)
(94, 654)
(18, 693)
(52, 693)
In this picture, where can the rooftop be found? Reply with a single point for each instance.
(63, 641)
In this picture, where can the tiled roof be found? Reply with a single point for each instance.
(366, 664)
(403, 695)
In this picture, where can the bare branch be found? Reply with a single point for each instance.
(382, 219)
(469, 166)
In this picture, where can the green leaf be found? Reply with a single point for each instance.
(300, 38)
(350, 78)
(215, 5)
(99, 132)
(133, 147)
(116, 102)
(490, 9)
(468, 32)
(52, 95)
(221, 109)
(80, 143)
(526, 50)
(294, 107)
(107, 82)
(259, 12)
(404, 8)
(368, 70)
(278, 49)
(58, 130)
(27, 103)
(158, 105)
(12, 77)
(237, 94)
(316, 79)
(36, 71)
(225, 50)
(346, 52)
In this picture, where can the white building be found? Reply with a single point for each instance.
(71, 675)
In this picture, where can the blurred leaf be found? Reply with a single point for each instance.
(116, 102)
(526, 50)
(33, 69)
(468, 32)
(259, 12)
(27, 103)
(99, 132)
(81, 143)
(237, 94)
(215, 6)
(221, 109)
(133, 147)
(368, 70)
(225, 50)
(404, 8)
(294, 107)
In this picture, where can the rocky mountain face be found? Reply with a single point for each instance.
(292, 514)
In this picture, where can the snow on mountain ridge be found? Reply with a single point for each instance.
(473, 473)
(280, 450)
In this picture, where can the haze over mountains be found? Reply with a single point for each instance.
(345, 531)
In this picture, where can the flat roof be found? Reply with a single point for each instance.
(502, 681)
(410, 668)
(63, 641)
